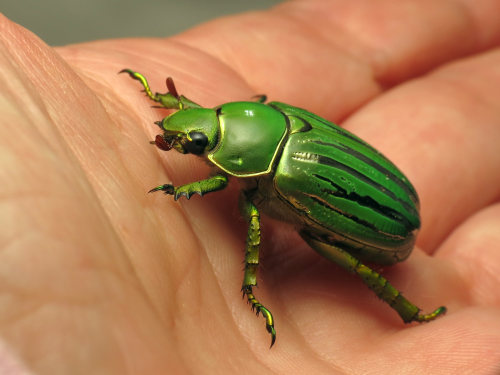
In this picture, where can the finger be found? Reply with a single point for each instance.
(474, 249)
(336, 55)
(443, 132)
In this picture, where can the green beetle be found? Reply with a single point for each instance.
(348, 201)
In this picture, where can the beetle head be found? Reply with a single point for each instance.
(192, 130)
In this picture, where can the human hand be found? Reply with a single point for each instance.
(99, 276)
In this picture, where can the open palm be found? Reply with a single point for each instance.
(99, 277)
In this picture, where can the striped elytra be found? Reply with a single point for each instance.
(348, 191)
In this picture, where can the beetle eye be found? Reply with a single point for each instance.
(197, 143)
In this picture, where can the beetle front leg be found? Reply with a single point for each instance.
(251, 214)
(382, 288)
(215, 183)
(169, 100)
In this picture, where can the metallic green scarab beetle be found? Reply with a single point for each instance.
(348, 202)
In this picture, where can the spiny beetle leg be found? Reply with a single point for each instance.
(376, 282)
(251, 214)
(181, 191)
(139, 77)
(214, 183)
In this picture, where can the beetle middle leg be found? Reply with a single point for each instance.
(251, 214)
(382, 288)
(261, 98)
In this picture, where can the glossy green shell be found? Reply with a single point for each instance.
(250, 137)
(325, 179)
(347, 190)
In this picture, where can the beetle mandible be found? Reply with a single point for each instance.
(347, 201)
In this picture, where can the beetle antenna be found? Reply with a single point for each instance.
(171, 87)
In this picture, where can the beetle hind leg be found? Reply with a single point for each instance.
(251, 214)
(376, 282)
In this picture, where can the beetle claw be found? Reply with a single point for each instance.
(272, 331)
(166, 188)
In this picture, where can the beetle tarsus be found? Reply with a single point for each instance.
(259, 308)
(431, 316)
(169, 100)
(272, 331)
(166, 188)
(214, 183)
(139, 77)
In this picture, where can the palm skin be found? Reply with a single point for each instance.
(99, 277)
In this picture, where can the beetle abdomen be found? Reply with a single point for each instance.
(348, 191)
